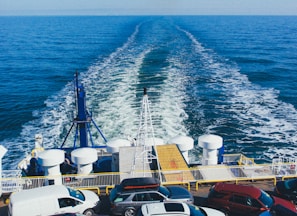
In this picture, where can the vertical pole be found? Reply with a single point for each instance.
(82, 117)
(81, 114)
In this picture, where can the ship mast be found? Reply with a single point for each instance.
(145, 135)
(83, 119)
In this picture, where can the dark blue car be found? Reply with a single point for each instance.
(287, 189)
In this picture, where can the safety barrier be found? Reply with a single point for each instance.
(202, 175)
(288, 177)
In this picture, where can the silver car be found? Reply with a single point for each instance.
(127, 202)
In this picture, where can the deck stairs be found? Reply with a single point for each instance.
(172, 163)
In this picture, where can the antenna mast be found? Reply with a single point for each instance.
(145, 135)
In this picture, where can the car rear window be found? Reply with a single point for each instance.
(174, 207)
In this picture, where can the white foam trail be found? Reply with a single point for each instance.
(167, 109)
(255, 108)
(115, 94)
(111, 90)
(56, 118)
(121, 109)
(171, 106)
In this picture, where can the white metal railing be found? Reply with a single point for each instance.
(12, 181)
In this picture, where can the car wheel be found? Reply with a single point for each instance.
(129, 212)
(89, 212)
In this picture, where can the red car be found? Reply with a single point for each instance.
(244, 199)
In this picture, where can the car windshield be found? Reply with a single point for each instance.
(196, 211)
(266, 199)
(76, 194)
(113, 193)
(290, 184)
(163, 190)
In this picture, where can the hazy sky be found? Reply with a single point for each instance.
(148, 7)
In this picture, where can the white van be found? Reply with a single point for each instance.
(51, 200)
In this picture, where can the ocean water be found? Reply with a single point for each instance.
(234, 76)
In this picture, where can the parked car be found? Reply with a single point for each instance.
(176, 208)
(244, 199)
(51, 200)
(131, 194)
(287, 189)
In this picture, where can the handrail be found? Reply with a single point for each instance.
(90, 188)
(201, 175)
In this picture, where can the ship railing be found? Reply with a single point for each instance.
(237, 159)
(11, 181)
(195, 176)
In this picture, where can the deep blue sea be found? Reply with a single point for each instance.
(234, 76)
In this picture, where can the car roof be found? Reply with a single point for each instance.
(239, 189)
(45, 191)
(165, 208)
(138, 190)
(140, 182)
